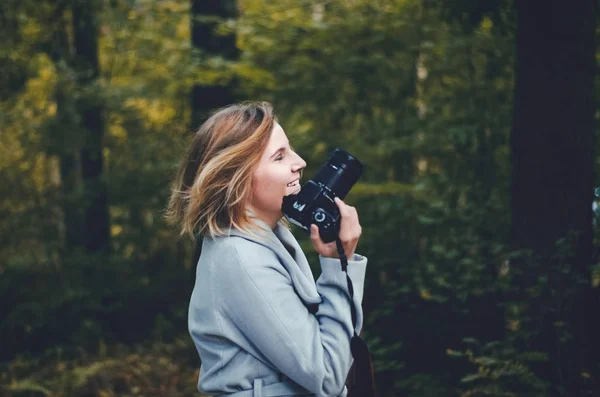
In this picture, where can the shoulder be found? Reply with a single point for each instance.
(237, 246)
(236, 253)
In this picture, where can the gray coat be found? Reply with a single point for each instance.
(249, 317)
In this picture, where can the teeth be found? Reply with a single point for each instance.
(292, 183)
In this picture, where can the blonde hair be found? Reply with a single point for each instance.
(213, 184)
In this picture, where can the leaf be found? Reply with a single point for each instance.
(471, 378)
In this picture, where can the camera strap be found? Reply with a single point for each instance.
(363, 381)
(344, 260)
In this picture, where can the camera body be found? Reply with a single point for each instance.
(315, 201)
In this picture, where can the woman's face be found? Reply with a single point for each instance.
(277, 175)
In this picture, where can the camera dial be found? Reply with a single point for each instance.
(319, 216)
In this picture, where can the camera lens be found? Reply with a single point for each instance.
(340, 173)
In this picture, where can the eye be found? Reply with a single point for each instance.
(279, 157)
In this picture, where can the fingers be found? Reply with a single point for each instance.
(349, 219)
(350, 229)
(343, 207)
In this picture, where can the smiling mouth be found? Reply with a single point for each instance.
(294, 183)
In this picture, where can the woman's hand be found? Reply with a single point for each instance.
(350, 231)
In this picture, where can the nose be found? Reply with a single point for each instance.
(299, 164)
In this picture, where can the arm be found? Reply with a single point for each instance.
(312, 350)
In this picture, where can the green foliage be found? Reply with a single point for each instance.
(500, 370)
(152, 370)
(420, 91)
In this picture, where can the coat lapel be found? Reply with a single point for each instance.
(283, 243)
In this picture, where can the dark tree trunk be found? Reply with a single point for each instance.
(91, 111)
(552, 145)
(63, 141)
(403, 160)
(206, 41)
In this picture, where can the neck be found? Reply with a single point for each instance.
(269, 219)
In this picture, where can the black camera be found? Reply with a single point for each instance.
(315, 201)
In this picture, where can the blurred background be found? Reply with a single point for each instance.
(475, 120)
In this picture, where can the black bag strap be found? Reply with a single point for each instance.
(363, 380)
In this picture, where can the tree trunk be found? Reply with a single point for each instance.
(63, 140)
(91, 111)
(552, 146)
(206, 98)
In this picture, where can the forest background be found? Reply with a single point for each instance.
(475, 120)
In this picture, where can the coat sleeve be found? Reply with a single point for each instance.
(311, 349)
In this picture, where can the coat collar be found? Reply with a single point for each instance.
(283, 243)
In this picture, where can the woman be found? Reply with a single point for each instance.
(260, 323)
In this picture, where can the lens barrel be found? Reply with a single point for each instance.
(340, 173)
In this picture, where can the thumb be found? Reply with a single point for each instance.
(314, 231)
(314, 236)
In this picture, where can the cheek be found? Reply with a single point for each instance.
(268, 189)
(272, 182)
